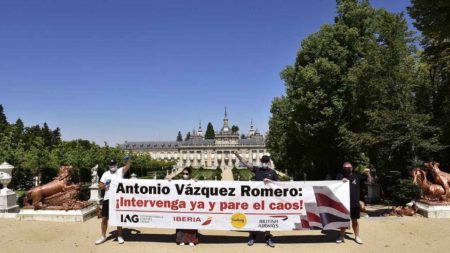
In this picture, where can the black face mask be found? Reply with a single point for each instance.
(347, 171)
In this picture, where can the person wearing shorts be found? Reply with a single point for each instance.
(355, 180)
(105, 181)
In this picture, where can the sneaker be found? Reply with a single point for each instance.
(358, 240)
(100, 240)
(181, 244)
(120, 239)
(340, 239)
(250, 242)
(270, 243)
(191, 244)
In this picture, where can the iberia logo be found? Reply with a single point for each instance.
(207, 221)
(238, 220)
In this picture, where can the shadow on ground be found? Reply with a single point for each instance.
(134, 235)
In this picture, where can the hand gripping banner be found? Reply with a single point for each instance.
(229, 205)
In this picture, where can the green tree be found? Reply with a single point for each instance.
(351, 96)
(432, 18)
(179, 136)
(188, 136)
(234, 129)
(3, 121)
(37, 158)
(210, 134)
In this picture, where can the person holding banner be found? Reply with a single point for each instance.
(355, 179)
(187, 236)
(105, 181)
(262, 173)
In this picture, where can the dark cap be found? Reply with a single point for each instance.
(265, 159)
(112, 162)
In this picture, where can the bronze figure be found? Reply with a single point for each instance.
(439, 176)
(431, 191)
(59, 194)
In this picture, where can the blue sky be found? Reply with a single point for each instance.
(143, 70)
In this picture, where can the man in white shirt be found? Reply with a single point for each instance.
(105, 181)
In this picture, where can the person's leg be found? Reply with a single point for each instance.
(355, 227)
(269, 240)
(251, 238)
(341, 235)
(104, 225)
(119, 235)
(355, 214)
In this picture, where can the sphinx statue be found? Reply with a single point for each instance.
(59, 194)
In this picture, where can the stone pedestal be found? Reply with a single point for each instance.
(57, 215)
(433, 210)
(95, 194)
(373, 193)
(8, 198)
(8, 201)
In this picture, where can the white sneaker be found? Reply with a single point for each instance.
(358, 240)
(181, 244)
(120, 239)
(100, 240)
(191, 244)
(340, 239)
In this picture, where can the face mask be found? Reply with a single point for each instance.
(185, 177)
(347, 170)
(113, 169)
(265, 165)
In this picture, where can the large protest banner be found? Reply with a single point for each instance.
(229, 205)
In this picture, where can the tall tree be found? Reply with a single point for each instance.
(234, 129)
(56, 137)
(347, 78)
(3, 120)
(46, 135)
(210, 134)
(179, 136)
(188, 136)
(432, 18)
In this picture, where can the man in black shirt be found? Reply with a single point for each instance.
(262, 173)
(355, 180)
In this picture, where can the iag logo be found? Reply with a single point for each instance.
(129, 218)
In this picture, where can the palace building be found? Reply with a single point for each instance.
(207, 153)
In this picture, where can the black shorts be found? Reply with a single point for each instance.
(355, 213)
(105, 208)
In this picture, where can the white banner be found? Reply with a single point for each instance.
(229, 205)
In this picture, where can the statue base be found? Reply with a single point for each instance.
(96, 195)
(81, 215)
(433, 209)
(8, 201)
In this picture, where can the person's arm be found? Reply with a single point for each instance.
(248, 165)
(367, 177)
(275, 176)
(127, 166)
(340, 176)
(104, 182)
